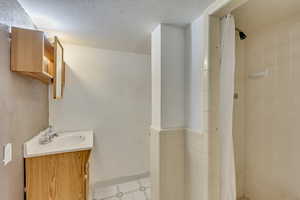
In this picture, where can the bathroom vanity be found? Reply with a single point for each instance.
(58, 170)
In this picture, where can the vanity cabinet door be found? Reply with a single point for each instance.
(57, 177)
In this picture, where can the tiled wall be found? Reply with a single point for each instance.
(197, 75)
(196, 165)
(272, 109)
(239, 116)
(167, 164)
(139, 189)
(213, 122)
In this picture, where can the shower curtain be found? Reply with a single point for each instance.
(228, 180)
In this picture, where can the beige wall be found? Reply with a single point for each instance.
(272, 109)
(195, 165)
(167, 164)
(23, 106)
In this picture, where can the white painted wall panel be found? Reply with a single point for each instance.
(108, 91)
(168, 61)
(173, 62)
(194, 76)
(156, 77)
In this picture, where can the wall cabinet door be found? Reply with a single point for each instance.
(59, 70)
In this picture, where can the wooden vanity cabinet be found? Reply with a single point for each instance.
(63, 176)
(32, 54)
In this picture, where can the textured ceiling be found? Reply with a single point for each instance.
(123, 25)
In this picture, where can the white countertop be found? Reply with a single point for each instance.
(65, 142)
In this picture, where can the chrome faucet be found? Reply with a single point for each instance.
(48, 135)
(51, 133)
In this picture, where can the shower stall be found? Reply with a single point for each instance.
(266, 101)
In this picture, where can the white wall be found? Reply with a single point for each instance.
(180, 79)
(167, 137)
(180, 76)
(173, 63)
(196, 112)
(168, 62)
(108, 91)
(156, 77)
(196, 77)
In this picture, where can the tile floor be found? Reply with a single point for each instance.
(134, 190)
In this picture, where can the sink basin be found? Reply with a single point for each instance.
(69, 139)
(64, 142)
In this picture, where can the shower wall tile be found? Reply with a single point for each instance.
(239, 116)
(196, 165)
(213, 143)
(172, 165)
(213, 165)
(272, 109)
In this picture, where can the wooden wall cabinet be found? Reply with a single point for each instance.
(62, 176)
(32, 54)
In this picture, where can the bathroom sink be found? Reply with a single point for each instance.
(62, 143)
(69, 139)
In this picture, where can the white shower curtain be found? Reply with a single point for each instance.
(228, 181)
